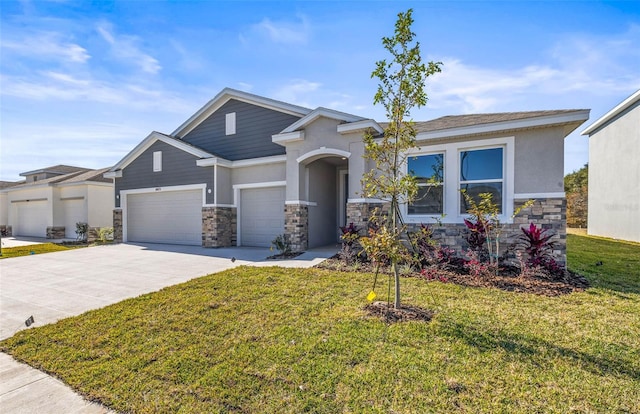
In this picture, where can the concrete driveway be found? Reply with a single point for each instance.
(53, 286)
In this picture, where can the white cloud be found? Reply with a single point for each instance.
(297, 91)
(283, 32)
(46, 46)
(125, 48)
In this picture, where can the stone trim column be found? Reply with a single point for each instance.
(219, 226)
(550, 214)
(296, 226)
(117, 225)
(55, 232)
(360, 213)
(7, 231)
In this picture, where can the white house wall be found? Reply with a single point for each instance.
(100, 205)
(614, 178)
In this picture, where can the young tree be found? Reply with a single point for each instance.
(401, 88)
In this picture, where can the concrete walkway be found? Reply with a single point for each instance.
(53, 286)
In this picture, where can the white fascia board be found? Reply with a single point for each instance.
(209, 162)
(224, 96)
(150, 140)
(113, 174)
(265, 184)
(321, 112)
(360, 126)
(535, 196)
(622, 106)
(285, 138)
(577, 116)
(95, 183)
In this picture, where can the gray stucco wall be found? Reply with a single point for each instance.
(254, 127)
(178, 168)
(614, 178)
(539, 161)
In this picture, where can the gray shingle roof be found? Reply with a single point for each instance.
(56, 169)
(84, 174)
(460, 121)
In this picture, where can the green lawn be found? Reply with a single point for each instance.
(291, 341)
(8, 252)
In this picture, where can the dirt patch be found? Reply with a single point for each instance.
(404, 313)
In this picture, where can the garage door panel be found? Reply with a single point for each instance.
(172, 217)
(262, 215)
(32, 218)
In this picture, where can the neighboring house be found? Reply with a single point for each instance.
(245, 168)
(614, 172)
(50, 201)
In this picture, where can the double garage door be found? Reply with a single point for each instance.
(175, 217)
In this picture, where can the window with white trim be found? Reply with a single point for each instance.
(481, 171)
(230, 123)
(429, 172)
(157, 161)
(478, 166)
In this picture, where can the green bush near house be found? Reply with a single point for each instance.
(293, 340)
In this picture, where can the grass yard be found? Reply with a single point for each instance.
(8, 252)
(291, 341)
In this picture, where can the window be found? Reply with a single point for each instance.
(429, 171)
(481, 171)
(157, 161)
(230, 123)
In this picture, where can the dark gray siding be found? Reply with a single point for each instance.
(178, 168)
(254, 127)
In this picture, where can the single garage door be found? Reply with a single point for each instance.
(262, 215)
(73, 213)
(32, 218)
(171, 217)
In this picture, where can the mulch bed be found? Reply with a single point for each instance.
(284, 256)
(509, 280)
(404, 313)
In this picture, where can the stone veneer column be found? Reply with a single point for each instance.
(550, 214)
(296, 226)
(55, 232)
(7, 231)
(360, 213)
(219, 226)
(117, 225)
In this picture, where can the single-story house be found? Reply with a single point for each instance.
(614, 172)
(246, 168)
(50, 201)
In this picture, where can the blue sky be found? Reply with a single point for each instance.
(81, 83)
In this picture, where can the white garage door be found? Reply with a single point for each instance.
(262, 215)
(32, 218)
(172, 217)
(73, 213)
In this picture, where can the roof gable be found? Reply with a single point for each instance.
(321, 112)
(224, 96)
(150, 140)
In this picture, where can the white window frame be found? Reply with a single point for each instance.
(157, 161)
(492, 180)
(230, 123)
(442, 183)
(451, 185)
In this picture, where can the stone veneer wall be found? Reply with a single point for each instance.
(296, 226)
(549, 213)
(55, 232)
(7, 231)
(117, 226)
(219, 226)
